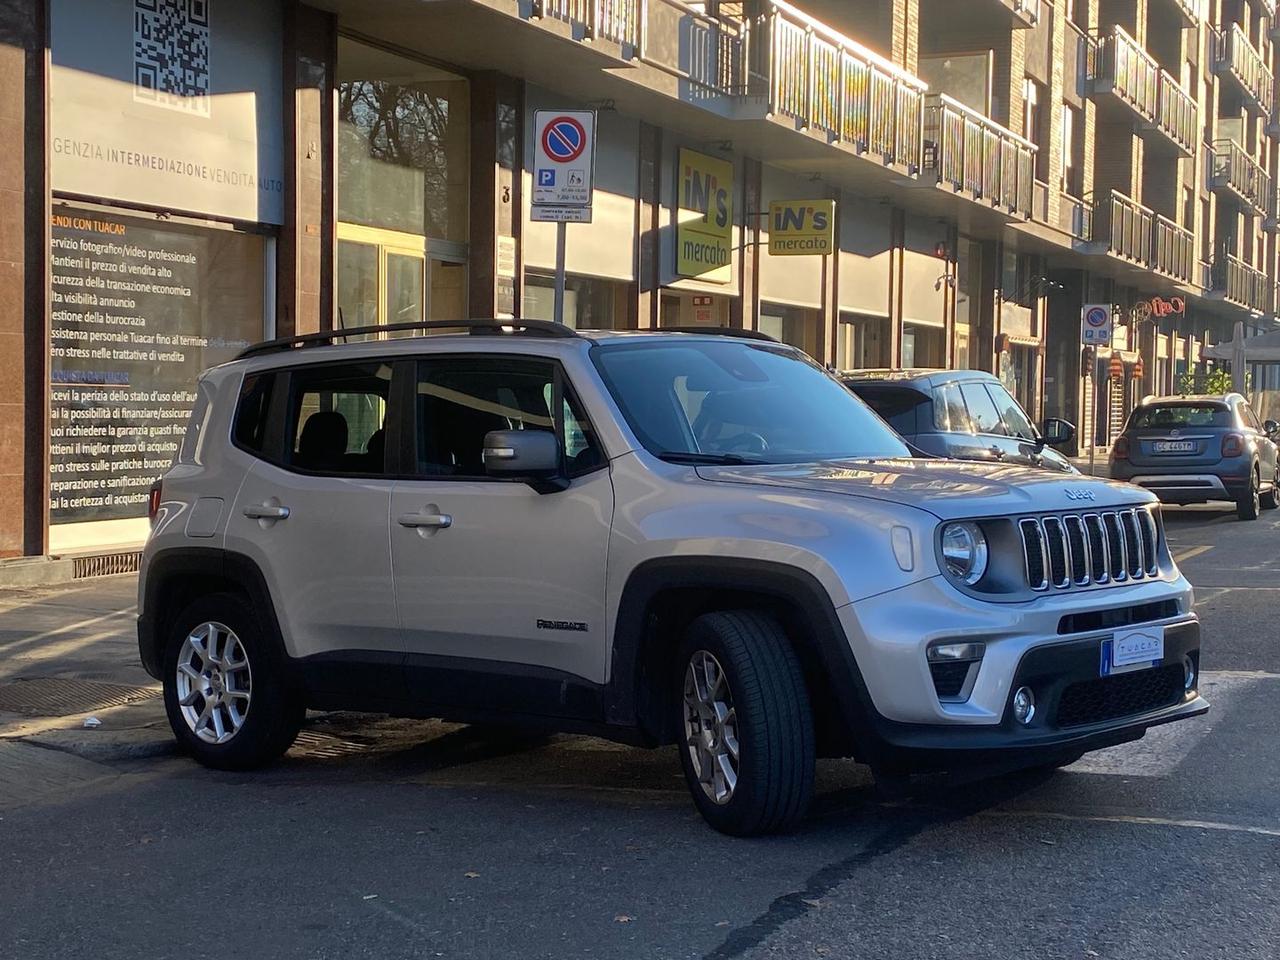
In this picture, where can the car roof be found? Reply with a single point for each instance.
(482, 337)
(923, 378)
(1192, 399)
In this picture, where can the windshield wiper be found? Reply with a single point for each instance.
(710, 459)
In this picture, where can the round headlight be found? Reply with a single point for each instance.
(964, 552)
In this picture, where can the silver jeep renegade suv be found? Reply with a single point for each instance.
(659, 538)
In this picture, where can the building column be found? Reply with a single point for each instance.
(497, 109)
(648, 303)
(24, 246)
(744, 311)
(308, 238)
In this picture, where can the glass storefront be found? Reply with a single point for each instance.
(590, 303)
(863, 342)
(797, 326)
(404, 130)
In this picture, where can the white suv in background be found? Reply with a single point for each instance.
(655, 537)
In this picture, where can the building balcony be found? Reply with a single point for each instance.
(831, 85)
(1236, 175)
(973, 155)
(1127, 83)
(1236, 282)
(1075, 217)
(1190, 11)
(614, 20)
(1174, 250)
(1023, 14)
(1235, 57)
(1125, 227)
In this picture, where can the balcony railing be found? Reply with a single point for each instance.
(827, 82)
(1118, 65)
(973, 154)
(1178, 115)
(1236, 57)
(1075, 217)
(1175, 250)
(1240, 283)
(1190, 10)
(1238, 173)
(1026, 12)
(708, 52)
(615, 20)
(1125, 226)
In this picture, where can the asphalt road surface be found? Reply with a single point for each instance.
(386, 839)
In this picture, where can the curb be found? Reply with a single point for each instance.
(36, 572)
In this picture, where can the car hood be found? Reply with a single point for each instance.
(949, 489)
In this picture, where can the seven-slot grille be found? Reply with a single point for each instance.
(1075, 550)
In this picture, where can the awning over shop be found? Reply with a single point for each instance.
(1264, 348)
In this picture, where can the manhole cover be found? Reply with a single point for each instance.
(61, 697)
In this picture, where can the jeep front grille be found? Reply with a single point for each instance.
(1079, 549)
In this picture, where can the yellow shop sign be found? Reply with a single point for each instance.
(704, 230)
(802, 228)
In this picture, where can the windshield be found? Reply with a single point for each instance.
(738, 401)
(1181, 415)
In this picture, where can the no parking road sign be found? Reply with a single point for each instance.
(563, 163)
(1095, 324)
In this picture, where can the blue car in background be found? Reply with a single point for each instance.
(961, 415)
(1197, 449)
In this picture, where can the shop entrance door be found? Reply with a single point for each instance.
(382, 277)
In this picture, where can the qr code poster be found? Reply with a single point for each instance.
(171, 54)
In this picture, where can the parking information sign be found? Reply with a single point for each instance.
(1095, 324)
(563, 165)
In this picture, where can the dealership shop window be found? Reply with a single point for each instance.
(403, 158)
(139, 308)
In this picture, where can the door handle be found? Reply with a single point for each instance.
(997, 452)
(266, 511)
(438, 521)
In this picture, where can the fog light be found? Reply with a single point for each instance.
(1024, 705)
(1188, 674)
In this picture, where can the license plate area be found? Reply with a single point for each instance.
(1174, 446)
(1137, 649)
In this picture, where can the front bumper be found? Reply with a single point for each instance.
(914, 730)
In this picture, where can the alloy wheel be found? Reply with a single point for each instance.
(214, 682)
(711, 726)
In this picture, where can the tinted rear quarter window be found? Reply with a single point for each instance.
(899, 406)
(250, 429)
(950, 415)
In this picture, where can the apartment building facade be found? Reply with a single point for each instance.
(197, 174)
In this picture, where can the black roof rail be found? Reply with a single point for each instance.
(477, 327)
(735, 332)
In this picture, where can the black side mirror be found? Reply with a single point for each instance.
(532, 456)
(1057, 432)
(1271, 428)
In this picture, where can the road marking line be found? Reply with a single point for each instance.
(1187, 554)
(1140, 821)
(77, 625)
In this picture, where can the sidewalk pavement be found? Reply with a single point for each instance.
(69, 654)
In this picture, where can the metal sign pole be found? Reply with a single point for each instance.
(1092, 374)
(561, 237)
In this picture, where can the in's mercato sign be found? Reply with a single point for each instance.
(802, 228)
(704, 229)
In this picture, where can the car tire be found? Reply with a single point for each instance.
(744, 724)
(226, 689)
(1249, 505)
(1271, 499)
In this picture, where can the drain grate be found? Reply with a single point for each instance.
(61, 697)
(105, 565)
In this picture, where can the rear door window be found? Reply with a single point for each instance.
(982, 409)
(336, 414)
(950, 415)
